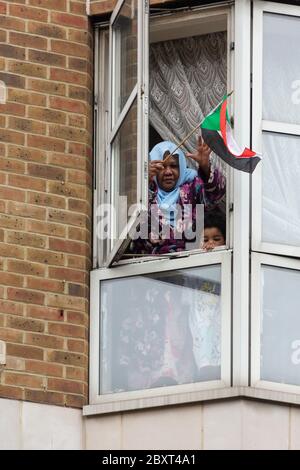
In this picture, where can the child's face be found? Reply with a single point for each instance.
(212, 238)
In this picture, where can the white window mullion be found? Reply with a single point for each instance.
(241, 196)
(257, 64)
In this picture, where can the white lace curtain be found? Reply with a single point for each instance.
(187, 80)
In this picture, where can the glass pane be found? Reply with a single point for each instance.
(124, 169)
(159, 330)
(280, 188)
(280, 337)
(125, 54)
(281, 68)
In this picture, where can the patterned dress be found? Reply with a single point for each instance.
(196, 192)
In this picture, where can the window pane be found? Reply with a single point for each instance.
(124, 174)
(280, 188)
(281, 68)
(280, 337)
(125, 60)
(159, 330)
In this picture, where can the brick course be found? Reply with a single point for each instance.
(45, 199)
(100, 7)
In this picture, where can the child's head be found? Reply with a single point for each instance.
(214, 230)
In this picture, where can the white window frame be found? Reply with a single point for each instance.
(140, 94)
(241, 197)
(212, 18)
(101, 131)
(257, 261)
(136, 399)
(239, 61)
(259, 126)
(264, 253)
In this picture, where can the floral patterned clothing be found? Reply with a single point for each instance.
(196, 192)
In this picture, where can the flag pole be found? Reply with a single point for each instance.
(195, 128)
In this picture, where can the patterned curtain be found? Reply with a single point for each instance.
(188, 79)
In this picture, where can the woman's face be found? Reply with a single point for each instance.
(168, 177)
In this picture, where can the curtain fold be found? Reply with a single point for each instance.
(188, 79)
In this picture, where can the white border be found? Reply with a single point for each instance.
(259, 125)
(266, 260)
(222, 258)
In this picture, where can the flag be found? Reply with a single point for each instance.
(217, 134)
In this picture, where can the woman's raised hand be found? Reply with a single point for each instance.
(155, 166)
(201, 156)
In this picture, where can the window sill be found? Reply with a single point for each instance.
(192, 397)
(114, 406)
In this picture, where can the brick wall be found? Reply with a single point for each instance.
(95, 7)
(45, 199)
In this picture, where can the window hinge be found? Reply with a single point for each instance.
(232, 46)
(231, 207)
(251, 79)
(147, 7)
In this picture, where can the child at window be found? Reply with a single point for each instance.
(214, 230)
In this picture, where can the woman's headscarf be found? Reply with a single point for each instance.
(167, 200)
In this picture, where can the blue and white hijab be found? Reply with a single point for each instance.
(167, 200)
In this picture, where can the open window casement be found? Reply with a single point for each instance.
(128, 140)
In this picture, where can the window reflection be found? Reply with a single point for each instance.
(160, 330)
(280, 337)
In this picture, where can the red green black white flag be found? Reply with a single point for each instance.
(217, 134)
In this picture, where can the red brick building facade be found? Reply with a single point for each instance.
(45, 199)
